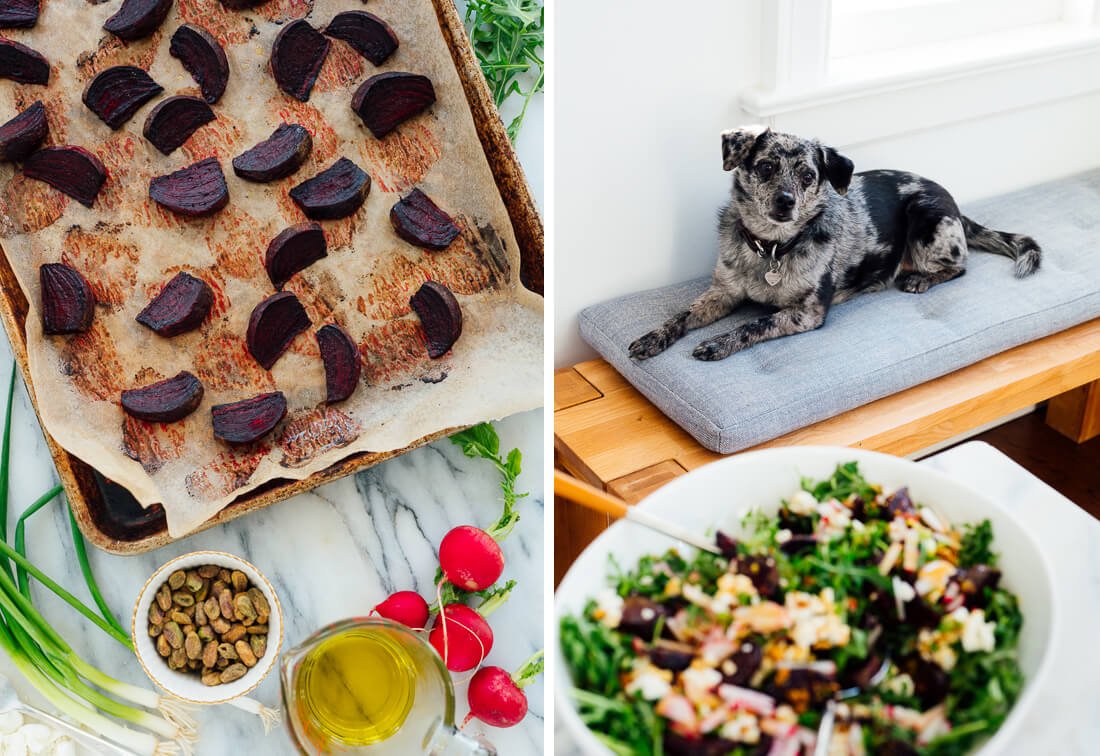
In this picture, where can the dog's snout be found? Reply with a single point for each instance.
(784, 200)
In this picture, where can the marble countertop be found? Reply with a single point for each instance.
(332, 553)
(1066, 717)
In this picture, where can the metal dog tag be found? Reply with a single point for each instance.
(772, 277)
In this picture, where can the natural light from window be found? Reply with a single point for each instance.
(870, 38)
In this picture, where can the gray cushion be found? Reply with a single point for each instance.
(874, 345)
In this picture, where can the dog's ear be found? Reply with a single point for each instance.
(737, 143)
(837, 168)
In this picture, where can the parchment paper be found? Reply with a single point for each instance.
(127, 248)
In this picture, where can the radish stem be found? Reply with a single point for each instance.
(496, 599)
(529, 670)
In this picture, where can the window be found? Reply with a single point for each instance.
(914, 64)
(860, 27)
(891, 37)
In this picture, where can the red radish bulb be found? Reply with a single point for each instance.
(495, 699)
(406, 607)
(468, 637)
(470, 558)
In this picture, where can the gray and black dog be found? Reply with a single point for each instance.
(801, 233)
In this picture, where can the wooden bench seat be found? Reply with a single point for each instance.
(607, 433)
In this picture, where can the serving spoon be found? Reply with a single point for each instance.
(589, 496)
(9, 701)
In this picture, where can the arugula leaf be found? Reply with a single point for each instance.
(845, 481)
(977, 543)
(507, 37)
(596, 657)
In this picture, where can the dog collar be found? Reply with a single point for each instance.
(773, 250)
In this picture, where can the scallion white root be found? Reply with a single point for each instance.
(269, 717)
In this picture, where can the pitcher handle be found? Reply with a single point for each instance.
(447, 740)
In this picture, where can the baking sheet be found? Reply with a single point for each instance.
(127, 247)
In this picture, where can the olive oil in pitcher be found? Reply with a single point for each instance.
(371, 686)
(357, 687)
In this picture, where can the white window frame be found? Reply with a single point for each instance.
(796, 92)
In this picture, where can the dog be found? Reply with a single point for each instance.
(801, 233)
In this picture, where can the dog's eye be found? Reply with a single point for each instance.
(807, 177)
(764, 169)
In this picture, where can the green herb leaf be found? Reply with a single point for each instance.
(976, 547)
(507, 37)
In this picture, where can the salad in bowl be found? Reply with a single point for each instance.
(846, 595)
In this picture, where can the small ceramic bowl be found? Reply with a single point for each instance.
(188, 686)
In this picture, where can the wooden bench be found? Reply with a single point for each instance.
(607, 433)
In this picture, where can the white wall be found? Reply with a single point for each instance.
(642, 91)
(641, 94)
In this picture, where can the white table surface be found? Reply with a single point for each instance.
(331, 553)
(1065, 720)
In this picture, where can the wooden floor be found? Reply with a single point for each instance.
(1073, 469)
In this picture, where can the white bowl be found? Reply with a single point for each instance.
(187, 686)
(717, 495)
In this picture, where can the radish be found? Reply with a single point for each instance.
(497, 698)
(470, 558)
(406, 607)
(467, 639)
(462, 636)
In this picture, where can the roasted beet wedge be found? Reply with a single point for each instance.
(342, 364)
(174, 120)
(294, 249)
(440, 316)
(21, 63)
(367, 33)
(21, 135)
(278, 156)
(336, 192)
(18, 14)
(296, 58)
(203, 58)
(181, 306)
(137, 19)
(116, 93)
(72, 170)
(387, 100)
(249, 419)
(68, 303)
(419, 221)
(164, 401)
(194, 191)
(273, 325)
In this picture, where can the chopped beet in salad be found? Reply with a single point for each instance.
(849, 595)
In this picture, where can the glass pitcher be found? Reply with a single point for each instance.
(371, 686)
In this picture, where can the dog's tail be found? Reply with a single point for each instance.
(1022, 249)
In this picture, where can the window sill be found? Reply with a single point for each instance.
(918, 89)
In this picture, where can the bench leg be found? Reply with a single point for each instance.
(574, 528)
(1076, 413)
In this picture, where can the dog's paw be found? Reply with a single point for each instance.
(650, 345)
(914, 283)
(718, 348)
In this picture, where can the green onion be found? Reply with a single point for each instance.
(4, 468)
(75, 687)
(20, 546)
(89, 576)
